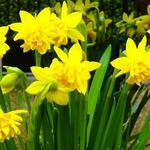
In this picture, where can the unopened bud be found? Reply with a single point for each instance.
(8, 82)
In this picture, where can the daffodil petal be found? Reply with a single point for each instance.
(90, 66)
(122, 63)
(26, 17)
(130, 47)
(75, 54)
(3, 30)
(59, 97)
(43, 16)
(125, 17)
(35, 87)
(62, 55)
(40, 74)
(6, 130)
(64, 10)
(75, 35)
(82, 85)
(16, 26)
(142, 44)
(73, 19)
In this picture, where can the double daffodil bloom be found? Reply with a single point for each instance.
(75, 72)
(127, 24)
(66, 26)
(34, 30)
(136, 62)
(143, 22)
(83, 7)
(9, 124)
(3, 46)
(45, 77)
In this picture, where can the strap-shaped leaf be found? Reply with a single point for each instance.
(96, 87)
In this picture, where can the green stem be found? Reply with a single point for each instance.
(37, 58)
(8, 101)
(10, 144)
(3, 146)
(21, 141)
(20, 101)
(2, 101)
(83, 120)
(27, 97)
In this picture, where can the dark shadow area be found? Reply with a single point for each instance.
(16, 57)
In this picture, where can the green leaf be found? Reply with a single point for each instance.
(107, 134)
(35, 117)
(119, 116)
(47, 128)
(96, 87)
(78, 119)
(64, 133)
(104, 113)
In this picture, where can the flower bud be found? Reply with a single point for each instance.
(8, 82)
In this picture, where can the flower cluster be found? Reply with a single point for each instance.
(44, 29)
(71, 73)
(9, 124)
(131, 25)
(136, 62)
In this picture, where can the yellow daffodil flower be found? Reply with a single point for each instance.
(9, 124)
(34, 30)
(105, 22)
(143, 22)
(45, 76)
(76, 71)
(70, 4)
(127, 24)
(83, 7)
(66, 26)
(3, 46)
(90, 31)
(136, 62)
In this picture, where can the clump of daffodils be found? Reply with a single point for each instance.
(136, 62)
(71, 73)
(9, 124)
(130, 25)
(144, 21)
(3, 46)
(39, 32)
(127, 24)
